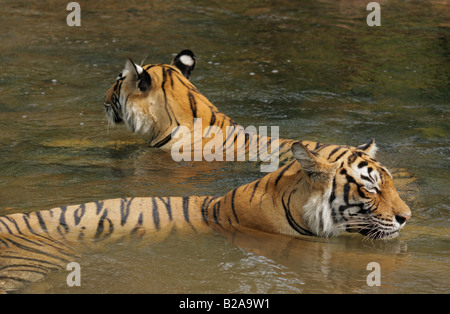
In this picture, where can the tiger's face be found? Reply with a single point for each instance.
(368, 202)
(359, 192)
(141, 94)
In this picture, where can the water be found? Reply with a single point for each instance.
(313, 68)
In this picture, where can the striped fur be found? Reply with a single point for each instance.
(328, 189)
(155, 99)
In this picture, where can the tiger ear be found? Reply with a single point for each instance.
(185, 61)
(369, 148)
(137, 75)
(314, 166)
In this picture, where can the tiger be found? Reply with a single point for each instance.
(159, 102)
(325, 191)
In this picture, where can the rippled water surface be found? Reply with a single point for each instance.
(313, 68)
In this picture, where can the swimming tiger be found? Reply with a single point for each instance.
(325, 190)
(159, 102)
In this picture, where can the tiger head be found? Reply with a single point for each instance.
(354, 192)
(147, 98)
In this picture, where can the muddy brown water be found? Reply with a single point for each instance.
(313, 68)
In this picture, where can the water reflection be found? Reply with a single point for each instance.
(250, 262)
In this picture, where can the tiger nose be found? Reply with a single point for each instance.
(401, 219)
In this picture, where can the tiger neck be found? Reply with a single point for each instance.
(310, 203)
(204, 121)
(281, 202)
(304, 204)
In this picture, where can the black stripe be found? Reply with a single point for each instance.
(36, 272)
(138, 225)
(315, 152)
(30, 249)
(358, 186)
(27, 270)
(125, 210)
(280, 146)
(331, 199)
(62, 222)
(183, 83)
(367, 178)
(170, 72)
(79, 213)
(340, 155)
(223, 121)
(40, 242)
(229, 135)
(321, 147)
(231, 146)
(333, 194)
(369, 171)
(233, 209)
(155, 213)
(101, 227)
(350, 179)
(6, 226)
(193, 104)
(346, 192)
(216, 210)
(81, 234)
(149, 66)
(141, 219)
(361, 193)
(14, 223)
(168, 207)
(204, 208)
(4, 243)
(282, 172)
(334, 151)
(254, 189)
(58, 244)
(49, 242)
(26, 265)
(294, 225)
(213, 118)
(239, 134)
(362, 164)
(206, 135)
(186, 208)
(41, 261)
(26, 218)
(99, 207)
(247, 139)
(41, 222)
(351, 159)
(27, 240)
(14, 278)
(164, 141)
(164, 92)
(342, 208)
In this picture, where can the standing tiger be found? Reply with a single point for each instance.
(325, 190)
(157, 100)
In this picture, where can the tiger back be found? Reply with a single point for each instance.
(33, 245)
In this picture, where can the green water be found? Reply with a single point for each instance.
(313, 68)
